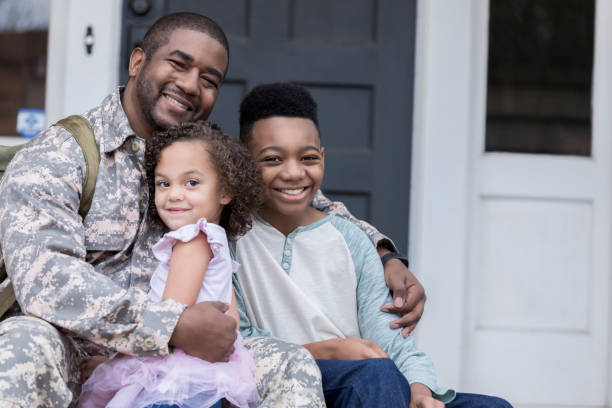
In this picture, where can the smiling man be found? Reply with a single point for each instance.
(83, 283)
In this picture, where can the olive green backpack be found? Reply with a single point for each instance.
(82, 132)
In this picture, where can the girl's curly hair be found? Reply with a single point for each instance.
(237, 173)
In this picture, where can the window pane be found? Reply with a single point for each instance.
(23, 59)
(539, 76)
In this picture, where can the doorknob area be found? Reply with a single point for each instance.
(140, 7)
(89, 40)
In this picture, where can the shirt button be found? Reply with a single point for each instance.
(288, 240)
(135, 146)
(287, 252)
(285, 265)
(149, 343)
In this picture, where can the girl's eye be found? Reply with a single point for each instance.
(162, 184)
(192, 183)
(271, 159)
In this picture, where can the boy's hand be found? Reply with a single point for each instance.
(204, 331)
(352, 348)
(421, 397)
(408, 295)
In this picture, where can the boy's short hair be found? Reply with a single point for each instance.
(276, 99)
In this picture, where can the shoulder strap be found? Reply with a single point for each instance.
(81, 130)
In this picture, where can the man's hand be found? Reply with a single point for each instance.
(408, 295)
(204, 331)
(421, 397)
(352, 348)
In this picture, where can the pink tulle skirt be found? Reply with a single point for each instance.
(175, 379)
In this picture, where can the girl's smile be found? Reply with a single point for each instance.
(186, 185)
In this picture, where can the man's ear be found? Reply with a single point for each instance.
(137, 61)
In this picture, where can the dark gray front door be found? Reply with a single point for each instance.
(357, 59)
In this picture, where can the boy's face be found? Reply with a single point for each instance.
(289, 154)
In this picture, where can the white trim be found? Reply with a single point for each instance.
(440, 176)
(76, 81)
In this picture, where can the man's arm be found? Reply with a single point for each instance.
(42, 240)
(408, 293)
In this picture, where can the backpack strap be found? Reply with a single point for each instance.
(81, 130)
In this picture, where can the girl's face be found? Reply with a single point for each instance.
(186, 185)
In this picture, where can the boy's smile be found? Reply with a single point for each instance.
(289, 153)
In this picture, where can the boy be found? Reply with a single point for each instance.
(315, 279)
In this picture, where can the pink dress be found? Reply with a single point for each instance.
(179, 378)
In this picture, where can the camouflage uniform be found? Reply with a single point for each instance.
(86, 280)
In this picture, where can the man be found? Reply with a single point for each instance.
(82, 283)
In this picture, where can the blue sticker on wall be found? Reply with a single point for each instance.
(30, 122)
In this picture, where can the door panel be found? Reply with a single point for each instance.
(356, 57)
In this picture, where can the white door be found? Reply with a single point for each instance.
(513, 248)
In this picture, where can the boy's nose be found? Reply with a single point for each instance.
(293, 170)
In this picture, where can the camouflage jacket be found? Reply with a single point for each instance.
(89, 277)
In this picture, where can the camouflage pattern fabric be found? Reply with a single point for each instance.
(39, 367)
(322, 203)
(85, 280)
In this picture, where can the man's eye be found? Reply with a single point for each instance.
(209, 82)
(176, 63)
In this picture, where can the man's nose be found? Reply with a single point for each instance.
(188, 81)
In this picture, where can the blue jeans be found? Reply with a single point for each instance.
(217, 405)
(377, 382)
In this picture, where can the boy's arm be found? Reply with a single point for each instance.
(246, 327)
(43, 244)
(408, 293)
(372, 292)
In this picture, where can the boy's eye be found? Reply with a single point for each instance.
(191, 183)
(310, 158)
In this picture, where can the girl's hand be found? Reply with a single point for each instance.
(352, 348)
(421, 397)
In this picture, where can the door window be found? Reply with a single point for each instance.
(23, 63)
(539, 76)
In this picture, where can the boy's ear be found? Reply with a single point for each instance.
(323, 156)
(137, 61)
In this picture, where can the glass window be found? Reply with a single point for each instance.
(23, 60)
(539, 76)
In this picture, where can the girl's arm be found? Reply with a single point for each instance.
(187, 267)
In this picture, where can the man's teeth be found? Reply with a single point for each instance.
(171, 99)
(292, 191)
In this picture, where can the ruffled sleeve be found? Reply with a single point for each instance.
(215, 235)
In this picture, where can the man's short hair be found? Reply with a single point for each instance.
(275, 99)
(159, 33)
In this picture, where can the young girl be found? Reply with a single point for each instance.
(202, 185)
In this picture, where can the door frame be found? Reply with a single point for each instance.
(447, 136)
